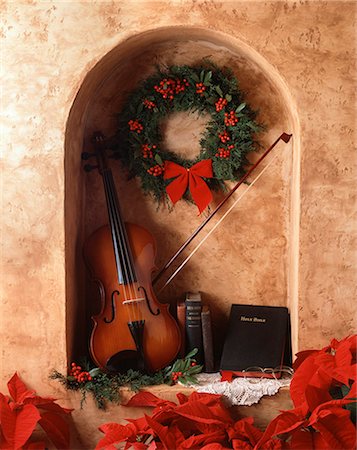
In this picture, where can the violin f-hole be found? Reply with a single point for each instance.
(148, 303)
(112, 300)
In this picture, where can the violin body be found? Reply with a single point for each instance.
(113, 344)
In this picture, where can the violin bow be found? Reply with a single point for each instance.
(285, 138)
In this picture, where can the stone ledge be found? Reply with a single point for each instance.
(87, 420)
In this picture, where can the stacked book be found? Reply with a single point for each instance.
(194, 320)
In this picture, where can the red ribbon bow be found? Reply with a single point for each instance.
(191, 178)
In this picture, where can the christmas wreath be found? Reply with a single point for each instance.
(224, 145)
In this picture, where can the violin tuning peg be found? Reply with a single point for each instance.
(87, 155)
(89, 167)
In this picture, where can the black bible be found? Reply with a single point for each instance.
(258, 339)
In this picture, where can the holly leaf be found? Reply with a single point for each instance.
(139, 108)
(207, 78)
(219, 91)
(228, 97)
(191, 354)
(240, 107)
(94, 372)
(158, 159)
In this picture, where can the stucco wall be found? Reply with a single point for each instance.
(49, 47)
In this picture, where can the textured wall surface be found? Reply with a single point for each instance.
(47, 50)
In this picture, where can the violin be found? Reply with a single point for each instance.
(133, 330)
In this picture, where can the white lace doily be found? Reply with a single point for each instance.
(240, 391)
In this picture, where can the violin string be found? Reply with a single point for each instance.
(118, 243)
(128, 284)
(128, 259)
(217, 224)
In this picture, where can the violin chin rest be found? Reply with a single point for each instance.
(123, 361)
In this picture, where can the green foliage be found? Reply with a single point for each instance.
(105, 387)
(185, 88)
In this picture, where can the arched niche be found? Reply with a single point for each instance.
(253, 255)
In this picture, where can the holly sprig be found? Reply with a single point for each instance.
(183, 370)
(105, 387)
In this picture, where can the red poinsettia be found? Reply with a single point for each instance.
(198, 421)
(20, 413)
(319, 421)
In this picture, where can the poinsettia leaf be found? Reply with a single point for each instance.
(245, 430)
(7, 421)
(171, 437)
(327, 363)
(56, 428)
(276, 444)
(114, 433)
(155, 446)
(26, 420)
(145, 398)
(302, 440)
(285, 422)
(199, 412)
(182, 398)
(35, 446)
(238, 444)
(138, 446)
(140, 425)
(48, 404)
(215, 446)
(343, 354)
(317, 390)
(199, 440)
(301, 379)
(301, 356)
(18, 389)
(336, 428)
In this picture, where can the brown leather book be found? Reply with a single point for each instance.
(207, 339)
(181, 320)
(194, 325)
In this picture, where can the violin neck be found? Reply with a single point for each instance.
(123, 256)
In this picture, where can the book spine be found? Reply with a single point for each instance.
(181, 320)
(207, 339)
(194, 328)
